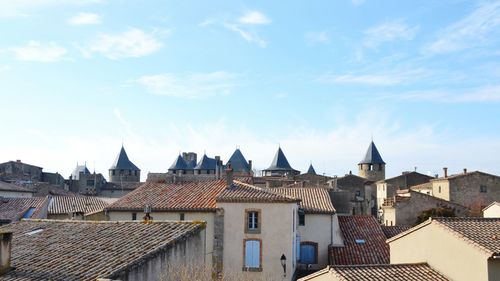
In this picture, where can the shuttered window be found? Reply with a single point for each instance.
(308, 253)
(252, 253)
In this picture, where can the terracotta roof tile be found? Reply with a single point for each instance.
(5, 186)
(57, 252)
(391, 231)
(242, 192)
(313, 200)
(364, 242)
(70, 204)
(13, 209)
(387, 272)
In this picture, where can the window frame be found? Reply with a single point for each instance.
(259, 221)
(483, 188)
(309, 243)
(134, 216)
(182, 216)
(252, 269)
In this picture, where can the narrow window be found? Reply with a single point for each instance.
(252, 224)
(181, 216)
(113, 172)
(134, 216)
(302, 218)
(439, 189)
(252, 255)
(129, 172)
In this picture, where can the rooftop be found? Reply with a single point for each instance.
(391, 231)
(385, 272)
(109, 249)
(313, 200)
(123, 163)
(14, 209)
(81, 204)
(206, 163)
(79, 169)
(372, 156)
(242, 192)
(5, 186)
(280, 163)
(238, 162)
(364, 242)
(179, 164)
(311, 170)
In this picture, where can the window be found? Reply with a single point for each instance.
(439, 189)
(309, 252)
(483, 189)
(181, 216)
(129, 172)
(135, 173)
(134, 216)
(113, 172)
(28, 213)
(252, 224)
(252, 255)
(358, 193)
(302, 218)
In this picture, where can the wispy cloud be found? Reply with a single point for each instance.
(249, 36)
(129, 44)
(484, 94)
(191, 86)
(39, 52)
(85, 19)
(317, 37)
(24, 8)
(358, 2)
(479, 28)
(207, 22)
(388, 32)
(374, 79)
(254, 17)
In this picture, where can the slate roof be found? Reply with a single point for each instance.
(68, 205)
(13, 209)
(5, 186)
(280, 163)
(179, 164)
(185, 196)
(109, 248)
(385, 272)
(79, 168)
(311, 170)
(313, 200)
(374, 250)
(242, 192)
(238, 162)
(206, 163)
(391, 231)
(372, 156)
(123, 163)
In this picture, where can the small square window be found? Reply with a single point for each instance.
(483, 189)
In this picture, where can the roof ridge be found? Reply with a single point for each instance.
(194, 222)
(266, 190)
(380, 265)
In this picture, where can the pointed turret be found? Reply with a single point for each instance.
(372, 167)
(311, 170)
(123, 170)
(239, 164)
(280, 166)
(206, 165)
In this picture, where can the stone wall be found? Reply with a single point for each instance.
(466, 191)
(218, 249)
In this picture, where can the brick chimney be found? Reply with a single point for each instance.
(445, 170)
(229, 176)
(5, 251)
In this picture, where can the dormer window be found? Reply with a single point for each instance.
(252, 224)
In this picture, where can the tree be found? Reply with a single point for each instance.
(435, 212)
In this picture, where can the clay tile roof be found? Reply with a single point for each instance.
(364, 242)
(313, 200)
(14, 209)
(56, 251)
(482, 232)
(185, 196)
(387, 272)
(70, 204)
(242, 192)
(391, 231)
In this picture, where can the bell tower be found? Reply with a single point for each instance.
(372, 167)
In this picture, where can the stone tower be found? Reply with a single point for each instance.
(372, 167)
(123, 170)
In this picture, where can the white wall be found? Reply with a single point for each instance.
(492, 212)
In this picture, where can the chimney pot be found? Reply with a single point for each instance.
(250, 165)
(5, 251)
(229, 176)
(445, 172)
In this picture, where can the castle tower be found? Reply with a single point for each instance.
(123, 170)
(372, 167)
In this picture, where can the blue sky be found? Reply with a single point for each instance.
(317, 77)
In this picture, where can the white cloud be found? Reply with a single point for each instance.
(131, 43)
(254, 17)
(388, 32)
(317, 37)
(85, 19)
(38, 52)
(249, 36)
(375, 79)
(24, 8)
(207, 22)
(197, 85)
(477, 29)
(484, 94)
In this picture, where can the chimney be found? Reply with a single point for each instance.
(250, 165)
(445, 172)
(229, 176)
(465, 170)
(5, 251)
(217, 171)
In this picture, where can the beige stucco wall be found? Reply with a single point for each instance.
(445, 252)
(14, 194)
(324, 230)
(445, 189)
(492, 212)
(389, 216)
(277, 236)
(208, 217)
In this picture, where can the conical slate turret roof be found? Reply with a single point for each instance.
(123, 163)
(206, 163)
(179, 164)
(238, 162)
(372, 156)
(279, 162)
(79, 169)
(311, 170)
